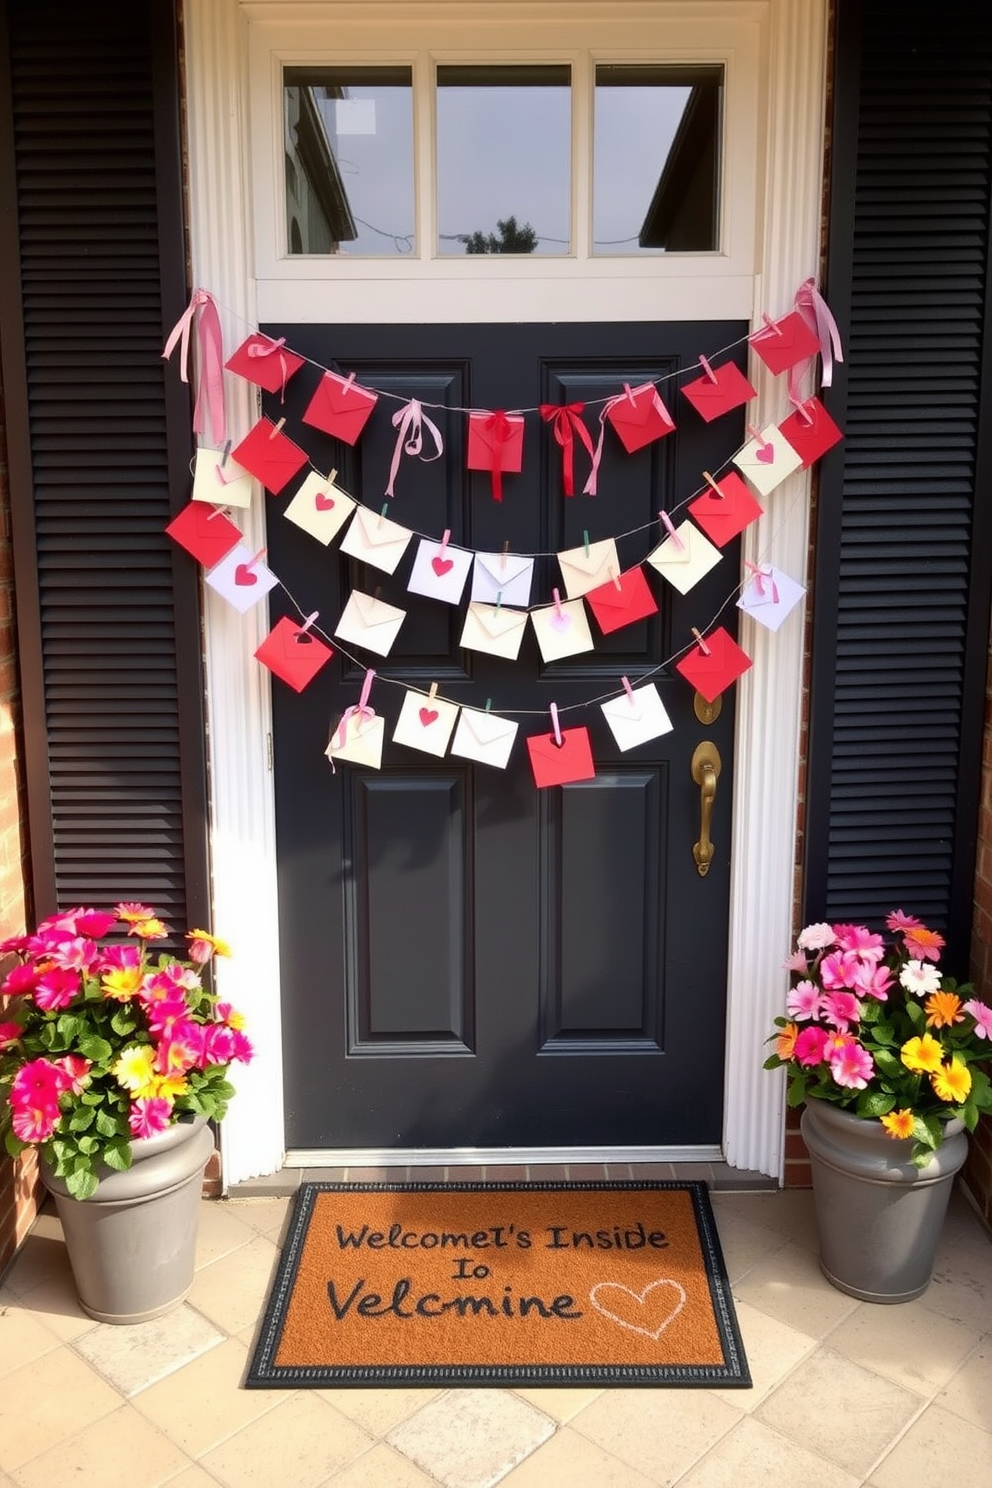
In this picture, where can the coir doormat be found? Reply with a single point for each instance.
(500, 1284)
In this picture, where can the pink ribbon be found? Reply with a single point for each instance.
(358, 710)
(669, 527)
(589, 489)
(816, 313)
(410, 422)
(761, 578)
(202, 310)
(270, 348)
(499, 426)
(565, 421)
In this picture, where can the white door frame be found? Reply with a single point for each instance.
(769, 697)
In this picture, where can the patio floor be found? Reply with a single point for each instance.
(845, 1393)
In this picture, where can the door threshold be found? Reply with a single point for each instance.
(451, 1157)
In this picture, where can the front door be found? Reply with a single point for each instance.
(468, 961)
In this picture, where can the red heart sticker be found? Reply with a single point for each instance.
(428, 716)
(442, 566)
(244, 575)
(765, 453)
(323, 502)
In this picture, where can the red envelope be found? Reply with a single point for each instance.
(269, 455)
(205, 532)
(555, 764)
(496, 443)
(293, 653)
(639, 417)
(722, 517)
(714, 673)
(265, 362)
(711, 398)
(811, 440)
(340, 407)
(615, 607)
(785, 342)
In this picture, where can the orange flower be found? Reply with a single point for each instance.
(923, 944)
(899, 1123)
(943, 1009)
(786, 1041)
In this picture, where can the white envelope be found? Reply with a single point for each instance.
(556, 641)
(425, 723)
(772, 599)
(766, 474)
(636, 717)
(484, 737)
(370, 622)
(361, 743)
(582, 571)
(376, 540)
(508, 576)
(497, 631)
(686, 565)
(440, 571)
(320, 507)
(241, 581)
(223, 485)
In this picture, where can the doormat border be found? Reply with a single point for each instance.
(265, 1374)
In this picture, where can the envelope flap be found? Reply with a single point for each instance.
(591, 562)
(504, 571)
(670, 552)
(379, 531)
(498, 622)
(487, 728)
(638, 412)
(342, 395)
(623, 710)
(373, 611)
(609, 596)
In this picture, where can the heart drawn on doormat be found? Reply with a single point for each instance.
(500, 1284)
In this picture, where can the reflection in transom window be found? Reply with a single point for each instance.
(504, 159)
(348, 134)
(656, 159)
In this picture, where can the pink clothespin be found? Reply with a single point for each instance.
(771, 325)
(555, 725)
(712, 484)
(700, 642)
(616, 578)
(308, 622)
(257, 559)
(802, 408)
(629, 691)
(556, 596)
(277, 428)
(708, 369)
(669, 527)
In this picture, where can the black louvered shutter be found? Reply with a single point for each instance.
(99, 443)
(901, 597)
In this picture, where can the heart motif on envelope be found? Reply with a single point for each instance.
(649, 1311)
(442, 566)
(323, 502)
(765, 453)
(428, 716)
(244, 575)
(560, 621)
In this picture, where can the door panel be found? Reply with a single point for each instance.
(471, 961)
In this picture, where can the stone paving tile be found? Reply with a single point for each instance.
(661, 1433)
(122, 1450)
(936, 1448)
(303, 1441)
(472, 1438)
(136, 1356)
(755, 1456)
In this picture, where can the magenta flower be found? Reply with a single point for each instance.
(874, 981)
(861, 940)
(180, 1050)
(13, 943)
(852, 1066)
(166, 1015)
(810, 1045)
(77, 954)
(816, 937)
(982, 1015)
(840, 1010)
(840, 969)
(34, 1122)
(56, 989)
(218, 1043)
(243, 1048)
(796, 962)
(37, 1083)
(149, 1115)
(23, 979)
(75, 1071)
(9, 1034)
(896, 920)
(803, 1001)
(94, 922)
(121, 958)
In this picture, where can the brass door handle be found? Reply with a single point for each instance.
(706, 766)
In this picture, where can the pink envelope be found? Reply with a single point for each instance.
(340, 407)
(264, 362)
(727, 389)
(270, 456)
(785, 342)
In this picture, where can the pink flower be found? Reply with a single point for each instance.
(169, 984)
(149, 1115)
(982, 1015)
(218, 1044)
(22, 979)
(861, 940)
(243, 1049)
(840, 969)
(803, 1001)
(924, 944)
(77, 954)
(75, 1071)
(816, 937)
(94, 922)
(796, 962)
(874, 981)
(56, 989)
(840, 1009)
(121, 958)
(9, 1034)
(896, 920)
(852, 1066)
(44, 941)
(34, 1123)
(180, 1050)
(809, 1046)
(166, 1014)
(37, 1083)
(13, 943)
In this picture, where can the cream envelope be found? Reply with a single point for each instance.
(320, 507)
(440, 571)
(484, 737)
(769, 597)
(556, 638)
(425, 723)
(376, 540)
(223, 484)
(498, 631)
(582, 569)
(778, 459)
(637, 716)
(686, 565)
(506, 575)
(358, 739)
(370, 622)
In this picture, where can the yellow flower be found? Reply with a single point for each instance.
(943, 1009)
(169, 1087)
(121, 982)
(150, 929)
(784, 1044)
(135, 1070)
(899, 1123)
(921, 1055)
(952, 1082)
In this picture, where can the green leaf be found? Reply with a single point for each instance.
(82, 1184)
(81, 1119)
(874, 1103)
(927, 1130)
(889, 1065)
(123, 1022)
(916, 1015)
(797, 1090)
(71, 1026)
(89, 1144)
(13, 1144)
(95, 1049)
(117, 1154)
(106, 1124)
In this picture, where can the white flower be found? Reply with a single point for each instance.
(816, 937)
(920, 978)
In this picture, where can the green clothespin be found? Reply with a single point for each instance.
(585, 539)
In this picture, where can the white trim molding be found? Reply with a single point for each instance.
(789, 60)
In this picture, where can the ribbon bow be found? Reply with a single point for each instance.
(760, 578)
(358, 710)
(566, 422)
(202, 311)
(589, 489)
(816, 313)
(270, 348)
(499, 426)
(410, 422)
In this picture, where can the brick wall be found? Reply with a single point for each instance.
(978, 1170)
(18, 1181)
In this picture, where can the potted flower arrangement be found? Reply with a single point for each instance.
(885, 1053)
(113, 1059)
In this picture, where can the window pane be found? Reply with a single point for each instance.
(656, 167)
(504, 159)
(349, 160)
